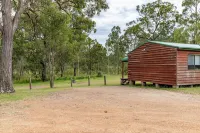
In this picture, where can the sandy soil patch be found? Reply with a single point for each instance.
(104, 110)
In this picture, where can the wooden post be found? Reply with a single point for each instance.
(157, 85)
(132, 82)
(30, 83)
(71, 82)
(143, 84)
(88, 80)
(105, 80)
(122, 70)
(176, 86)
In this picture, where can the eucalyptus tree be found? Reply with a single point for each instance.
(181, 35)
(81, 26)
(191, 16)
(128, 42)
(10, 21)
(8, 26)
(98, 52)
(54, 26)
(156, 21)
(113, 45)
(65, 35)
(93, 56)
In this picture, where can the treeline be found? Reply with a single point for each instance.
(52, 37)
(53, 40)
(159, 21)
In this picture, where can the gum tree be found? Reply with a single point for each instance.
(8, 27)
(11, 11)
(191, 16)
(156, 21)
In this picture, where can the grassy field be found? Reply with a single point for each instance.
(182, 89)
(187, 90)
(42, 88)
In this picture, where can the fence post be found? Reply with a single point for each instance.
(105, 80)
(88, 80)
(30, 83)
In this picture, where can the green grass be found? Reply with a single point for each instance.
(182, 89)
(42, 88)
(195, 90)
(25, 93)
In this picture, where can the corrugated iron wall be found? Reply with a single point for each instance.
(185, 76)
(153, 63)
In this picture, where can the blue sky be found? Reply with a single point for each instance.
(119, 13)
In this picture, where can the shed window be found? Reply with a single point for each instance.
(194, 62)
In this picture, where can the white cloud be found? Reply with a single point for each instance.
(120, 13)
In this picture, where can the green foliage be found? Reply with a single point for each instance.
(156, 21)
(191, 19)
(100, 74)
(53, 35)
(180, 35)
(42, 88)
(115, 48)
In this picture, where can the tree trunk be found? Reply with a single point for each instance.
(62, 69)
(74, 71)
(51, 67)
(78, 66)
(90, 60)
(108, 65)
(44, 71)
(8, 28)
(6, 85)
(118, 60)
(196, 22)
(21, 68)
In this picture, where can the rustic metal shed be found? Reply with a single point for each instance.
(165, 63)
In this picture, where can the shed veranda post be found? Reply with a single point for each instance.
(124, 80)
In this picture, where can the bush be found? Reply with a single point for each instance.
(100, 74)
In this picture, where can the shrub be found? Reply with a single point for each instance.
(99, 74)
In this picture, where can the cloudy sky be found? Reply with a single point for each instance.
(119, 13)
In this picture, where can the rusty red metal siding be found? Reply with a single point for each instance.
(185, 76)
(153, 63)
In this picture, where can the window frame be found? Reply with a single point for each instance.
(194, 66)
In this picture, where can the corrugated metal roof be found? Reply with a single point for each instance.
(125, 59)
(195, 47)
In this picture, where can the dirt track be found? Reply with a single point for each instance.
(104, 110)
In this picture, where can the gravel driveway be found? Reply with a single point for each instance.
(104, 110)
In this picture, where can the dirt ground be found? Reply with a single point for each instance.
(104, 110)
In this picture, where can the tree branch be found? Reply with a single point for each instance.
(20, 8)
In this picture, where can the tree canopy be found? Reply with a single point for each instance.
(47, 40)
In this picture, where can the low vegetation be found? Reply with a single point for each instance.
(183, 89)
(187, 90)
(42, 88)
